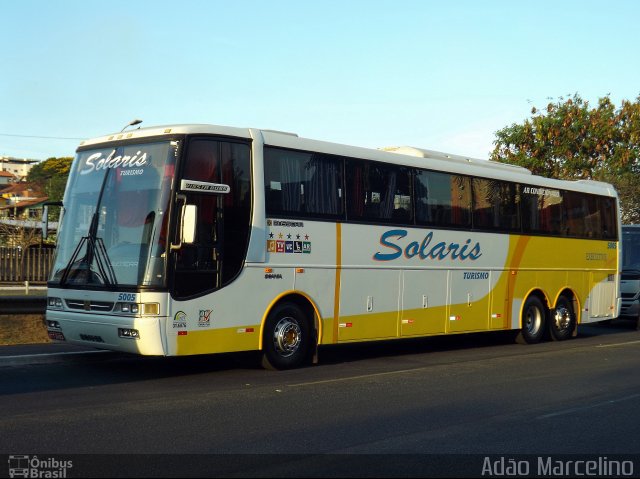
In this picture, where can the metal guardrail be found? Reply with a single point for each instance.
(23, 304)
(32, 264)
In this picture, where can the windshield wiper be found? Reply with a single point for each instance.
(95, 251)
(103, 262)
(95, 248)
(76, 252)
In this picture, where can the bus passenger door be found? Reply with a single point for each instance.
(223, 222)
(197, 265)
(468, 300)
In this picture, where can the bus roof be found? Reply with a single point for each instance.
(403, 155)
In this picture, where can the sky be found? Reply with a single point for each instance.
(438, 75)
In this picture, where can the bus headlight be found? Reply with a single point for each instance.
(127, 308)
(135, 308)
(54, 303)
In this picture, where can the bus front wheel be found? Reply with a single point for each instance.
(563, 320)
(534, 319)
(287, 337)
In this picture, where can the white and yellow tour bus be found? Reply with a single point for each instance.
(196, 239)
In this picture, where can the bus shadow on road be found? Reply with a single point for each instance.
(474, 342)
(101, 368)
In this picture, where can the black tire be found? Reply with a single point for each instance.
(534, 321)
(287, 338)
(562, 322)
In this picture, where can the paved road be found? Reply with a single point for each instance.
(471, 394)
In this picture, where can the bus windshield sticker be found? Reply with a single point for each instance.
(98, 162)
(204, 187)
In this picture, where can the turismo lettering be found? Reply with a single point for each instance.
(475, 275)
(98, 162)
(439, 251)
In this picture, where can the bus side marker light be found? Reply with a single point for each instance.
(496, 315)
(454, 318)
(299, 270)
(346, 325)
(151, 308)
(182, 333)
(245, 330)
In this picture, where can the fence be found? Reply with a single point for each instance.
(19, 265)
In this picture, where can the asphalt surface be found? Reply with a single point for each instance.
(396, 408)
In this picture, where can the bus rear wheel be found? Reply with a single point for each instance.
(563, 320)
(534, 319)
(287, 337)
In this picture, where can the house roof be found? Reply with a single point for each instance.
(21, 188)
(25, 203)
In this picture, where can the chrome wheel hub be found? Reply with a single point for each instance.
(562, 318)
(287, 337)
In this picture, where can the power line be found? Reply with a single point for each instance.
(43, 137)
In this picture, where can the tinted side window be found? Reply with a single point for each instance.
(442, 199)
(302, 184)
(542, 210)
(236, 172)
(496, 205)
(608, 211)
(378, 192)
(579, 219)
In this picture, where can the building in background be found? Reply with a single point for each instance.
(18, 167)
(6, 178)
(21, 201)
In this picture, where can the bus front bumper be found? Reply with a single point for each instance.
(138, 335)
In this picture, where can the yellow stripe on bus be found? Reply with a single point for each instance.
(336, 294)
(241, 338)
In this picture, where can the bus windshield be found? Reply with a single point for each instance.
(631, 248)
(113, 231)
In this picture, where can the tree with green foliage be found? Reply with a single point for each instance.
(571, 140)
(51, 176)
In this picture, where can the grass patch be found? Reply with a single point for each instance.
(22, 329)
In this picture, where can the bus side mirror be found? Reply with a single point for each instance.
(45, 222)
(45, 218)
(189, 215)
(188, 218)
